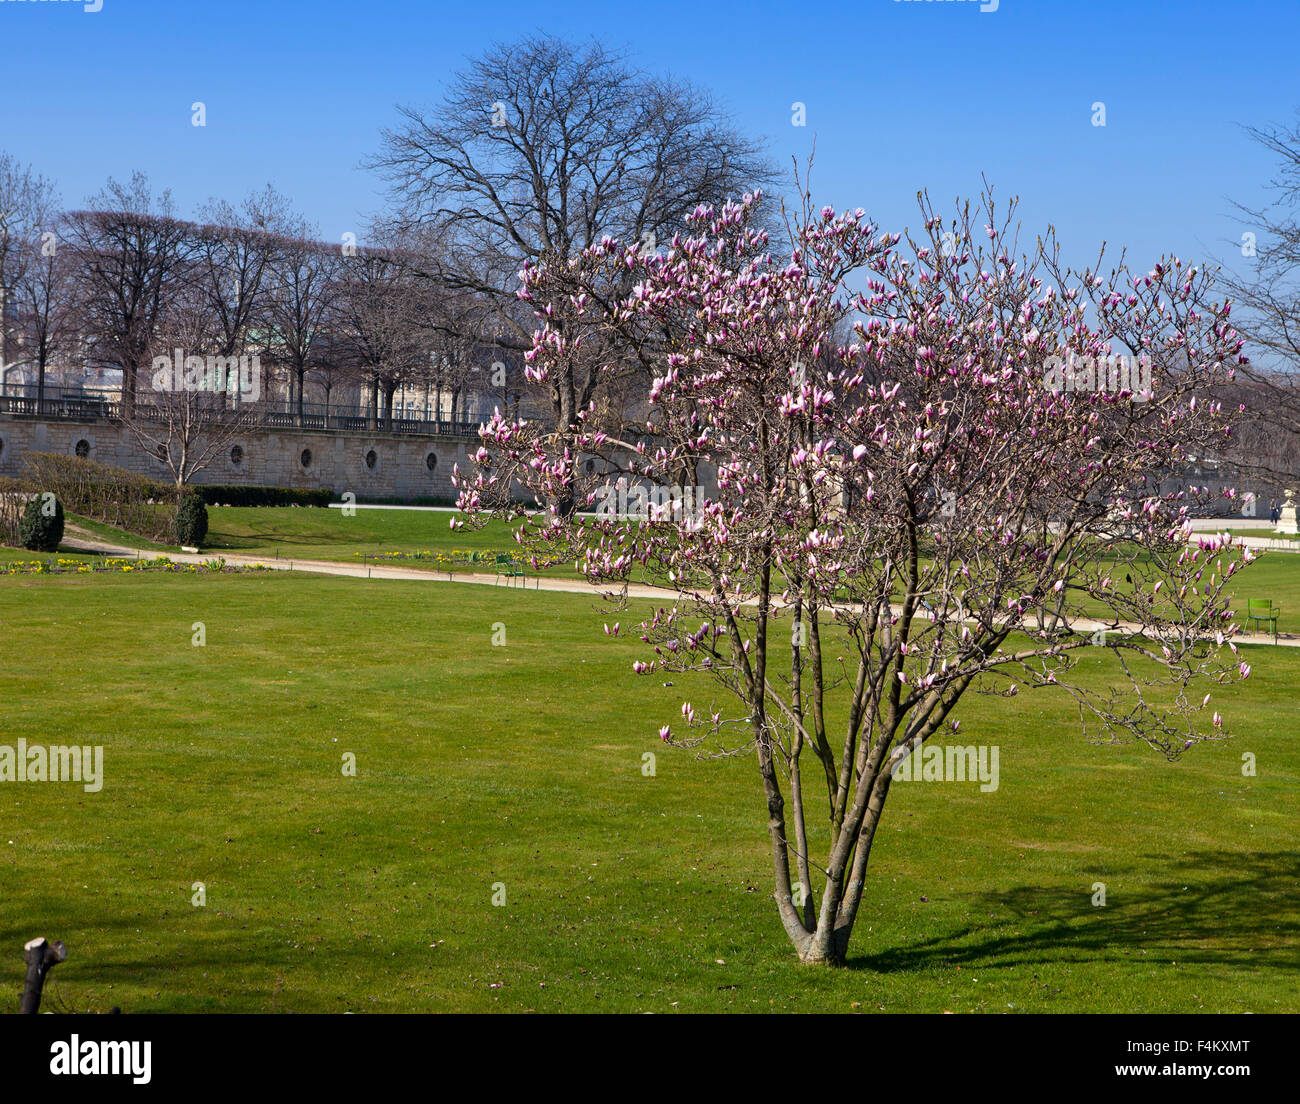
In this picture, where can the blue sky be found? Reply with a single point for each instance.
(899, 96)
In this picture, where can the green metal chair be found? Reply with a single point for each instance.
(1262, 611)
(510, 570)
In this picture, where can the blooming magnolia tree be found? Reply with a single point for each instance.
(905, 509)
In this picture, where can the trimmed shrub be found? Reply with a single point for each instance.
(406, 500)
(191, 521)
(41, 528)
(220, 494)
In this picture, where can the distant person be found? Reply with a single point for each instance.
(1273, 512)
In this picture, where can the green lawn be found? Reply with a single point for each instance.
(1266, 534)
(421, 539)
(302, 533)
(521, 765)
(424, 540)
(111, 534)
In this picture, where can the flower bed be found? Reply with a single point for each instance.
(59, 565)
(464, 558)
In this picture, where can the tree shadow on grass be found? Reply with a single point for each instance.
(267, 537)
(1209, 907)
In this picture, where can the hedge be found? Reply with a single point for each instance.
(409, 500)
(220, 494)
(14, 494)
(112, 495)
(125, 500)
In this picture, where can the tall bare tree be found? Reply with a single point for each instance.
(48, 318)
(302, 286)
(28, 204)
(1268, 433)
(131, 254)
(377, 305)
(541, 148)
(232, 263)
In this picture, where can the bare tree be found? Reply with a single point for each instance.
(303, 282)
(48, 319)
(185, 429)
(130, 253)
(378, 302)
(463, 360)
(233, 263)
(1269, 297)
(186, 421)
(28, 203)
(540, 149)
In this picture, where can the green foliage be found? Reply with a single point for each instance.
(41, 528)
(417, 500)
(191, 521)
(223, 494)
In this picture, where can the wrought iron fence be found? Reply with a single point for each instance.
(272, 414)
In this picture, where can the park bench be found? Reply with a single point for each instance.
(1262, 611)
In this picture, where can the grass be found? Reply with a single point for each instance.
(479, 765)
(300, 533)
(1266, 534)
(417, 539)
(327, 535)
(111, 534)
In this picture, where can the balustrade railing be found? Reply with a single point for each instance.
(274, 414)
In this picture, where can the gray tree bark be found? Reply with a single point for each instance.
(41, 957)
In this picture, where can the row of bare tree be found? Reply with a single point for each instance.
(125, 281)
(538, 150)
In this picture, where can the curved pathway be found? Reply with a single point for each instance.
(82, 541)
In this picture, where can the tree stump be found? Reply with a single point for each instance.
(41, 958)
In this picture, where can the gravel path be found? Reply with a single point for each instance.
(86, 542)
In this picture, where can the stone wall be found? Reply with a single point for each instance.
(337, 461)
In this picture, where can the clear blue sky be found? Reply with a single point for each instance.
(899, 95)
